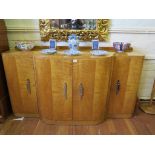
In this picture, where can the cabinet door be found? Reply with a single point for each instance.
(19, 72)
(124, 85)
(54, 88)
(90, 88)
(118, 85)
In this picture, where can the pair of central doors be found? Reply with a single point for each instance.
(71, 89)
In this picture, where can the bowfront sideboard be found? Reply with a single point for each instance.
(82, 89)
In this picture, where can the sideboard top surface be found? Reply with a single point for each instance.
(85, 53)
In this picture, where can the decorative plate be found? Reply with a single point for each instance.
(48, 51)
(71, 52)
(98, 52)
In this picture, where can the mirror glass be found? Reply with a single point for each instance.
(73, 24)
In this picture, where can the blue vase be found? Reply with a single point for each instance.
(73, 42)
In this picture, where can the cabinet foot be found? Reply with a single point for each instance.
(119, 115)
(72, 122)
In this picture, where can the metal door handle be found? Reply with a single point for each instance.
(28, 86)
(81, 90)
(118, 85)
(65, 90)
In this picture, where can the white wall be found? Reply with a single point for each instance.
(133, 23)
(139, 32)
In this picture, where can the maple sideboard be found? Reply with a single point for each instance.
(82, 89)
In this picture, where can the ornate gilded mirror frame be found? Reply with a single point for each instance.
(101, 32)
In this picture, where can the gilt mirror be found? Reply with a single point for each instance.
(86, 29)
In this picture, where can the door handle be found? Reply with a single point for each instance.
(65, 91)
(81, 90)
(118, 85)
(28, 86)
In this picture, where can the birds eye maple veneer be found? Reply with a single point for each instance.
(81, 89)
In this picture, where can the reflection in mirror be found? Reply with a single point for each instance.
(74, 24)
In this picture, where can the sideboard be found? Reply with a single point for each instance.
(82, 89)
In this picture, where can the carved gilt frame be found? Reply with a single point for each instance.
(100, 33)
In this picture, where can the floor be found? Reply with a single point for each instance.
(140, 124)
